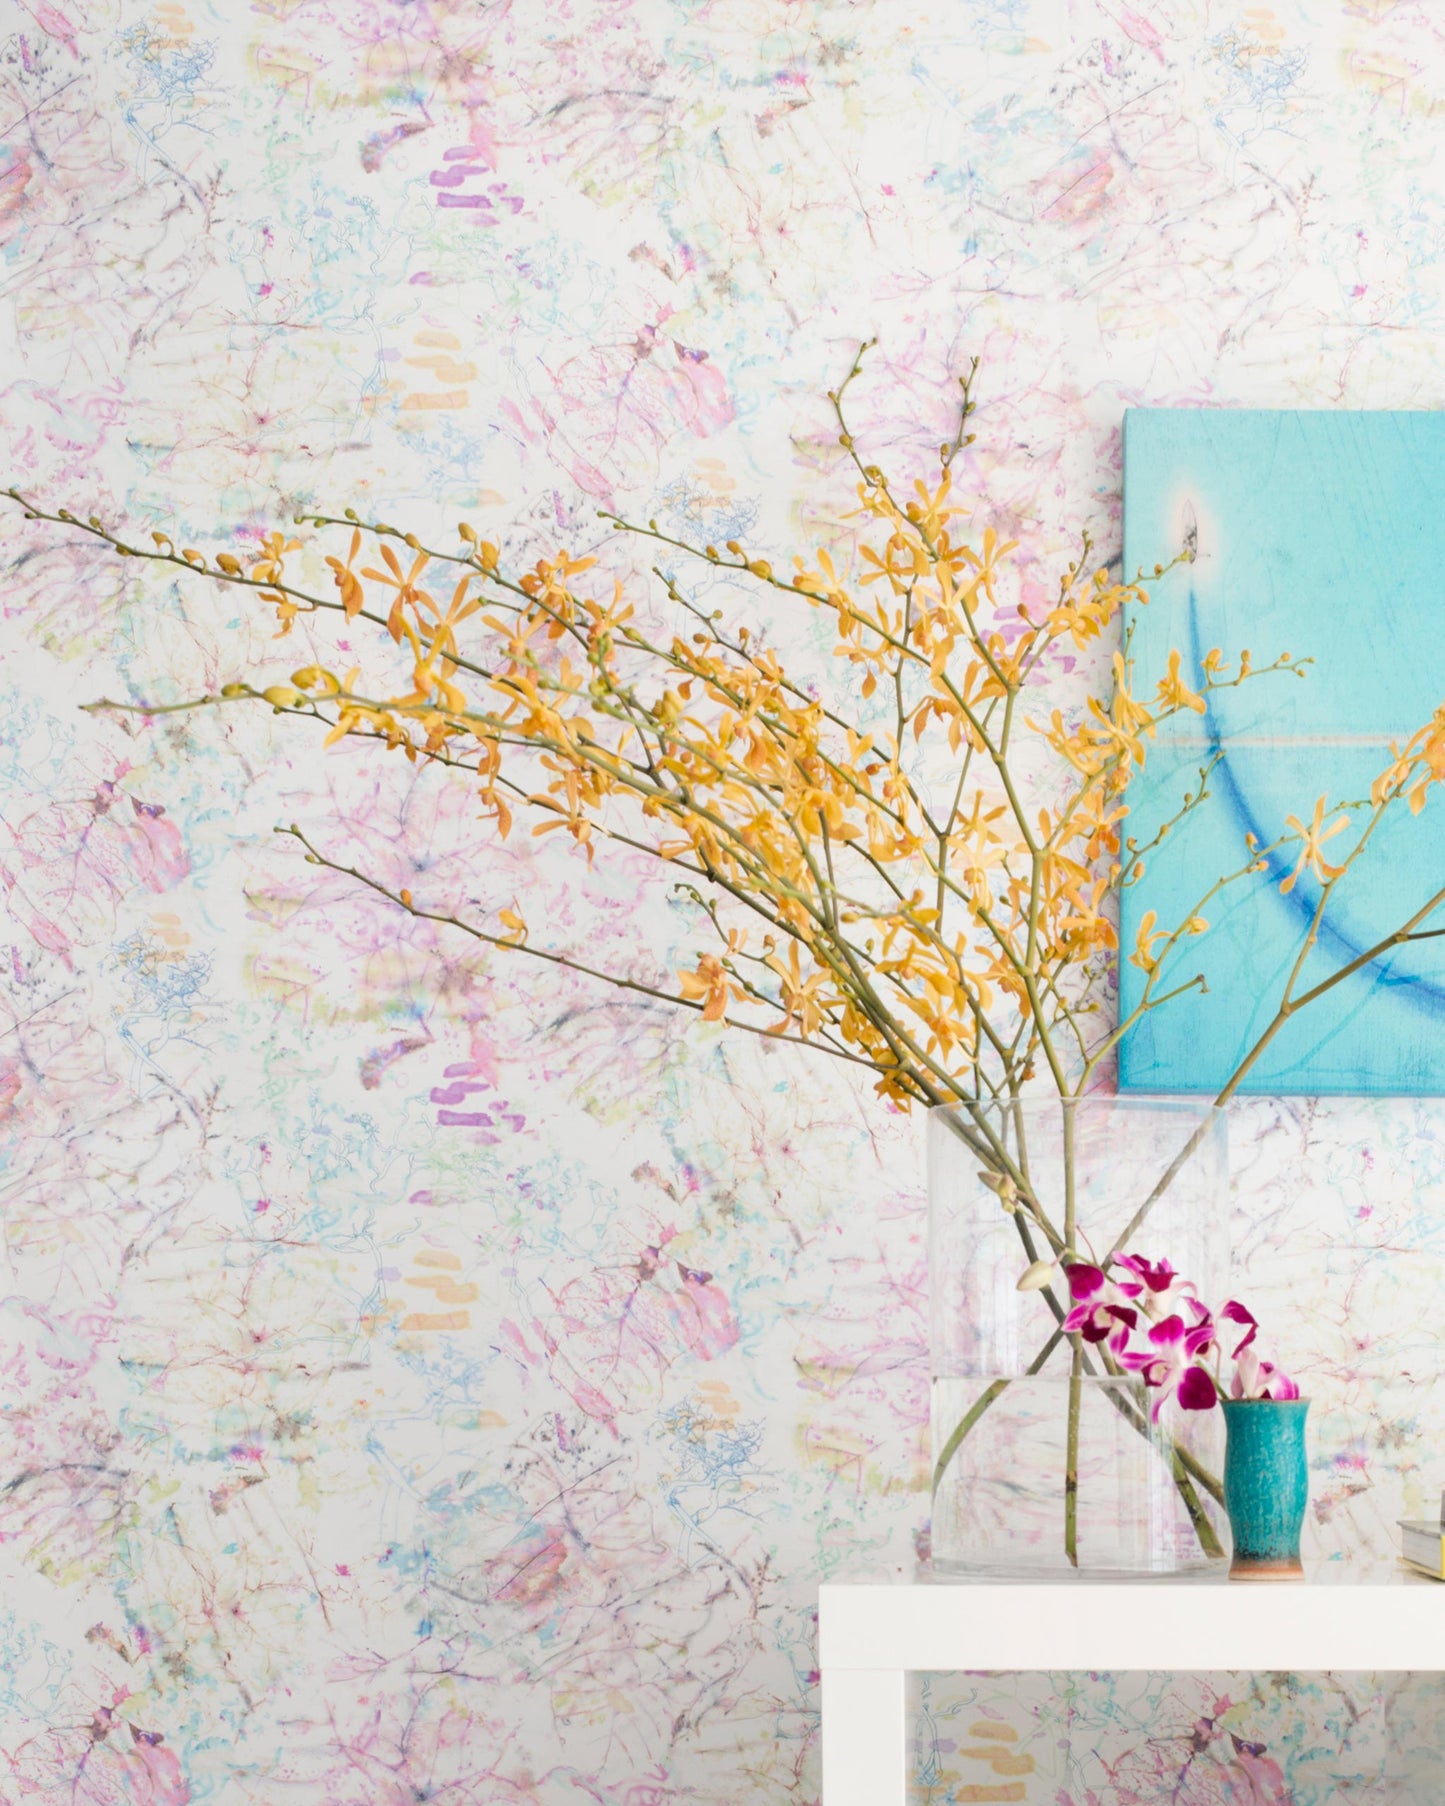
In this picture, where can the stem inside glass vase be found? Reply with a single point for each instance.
(1020, 1181)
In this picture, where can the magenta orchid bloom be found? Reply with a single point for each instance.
(1085, 1281)
(1254, 1378)
(1180, 1354)
(1102, 1322)
(1098, 1315)
(1160, 1289)
(1170, 1365)
(1159, 1276)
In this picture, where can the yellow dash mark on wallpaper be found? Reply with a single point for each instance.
(444, 1289)
(172, 22)
(948, 1790)
(715, 477)
(447, 1291)
(717, 1397)
(992, 1747)
(1002, 1762)
(435, 350)
(168, 929)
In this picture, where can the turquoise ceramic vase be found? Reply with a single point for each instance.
(1266, 1485)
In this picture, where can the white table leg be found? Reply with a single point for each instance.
(864, 1737)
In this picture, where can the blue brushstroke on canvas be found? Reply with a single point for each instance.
(1319, 534)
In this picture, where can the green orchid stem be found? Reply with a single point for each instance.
(1071, 1456)
(981, 1404)
(964, 1425)
(1189, 1473)
(1205, 1532)
(1199, 1473)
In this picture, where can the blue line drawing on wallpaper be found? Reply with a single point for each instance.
(1319, 534)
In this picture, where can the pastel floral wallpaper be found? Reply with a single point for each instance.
(422, 1378)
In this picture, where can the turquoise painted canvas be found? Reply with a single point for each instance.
(1318, 534)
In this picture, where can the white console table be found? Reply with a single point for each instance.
(872, 1634)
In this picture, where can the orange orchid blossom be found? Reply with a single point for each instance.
(1312, 838)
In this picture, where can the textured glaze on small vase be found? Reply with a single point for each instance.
(1266, 1486)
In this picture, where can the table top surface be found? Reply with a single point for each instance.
(1317, 1573)
(1341, 1617)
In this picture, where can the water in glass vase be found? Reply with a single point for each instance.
(1030, 1485)
(1001, 1506)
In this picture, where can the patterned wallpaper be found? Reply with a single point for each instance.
(422, 1379)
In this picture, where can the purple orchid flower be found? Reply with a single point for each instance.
(1098, 1314)
(1197, 1391)
(1159, 1276)
(1162, 1291)
(1234, 1312)
(1258, 1379)
(1085, 1280)
(1170, 1365)
(1179, 1357)
(1102, 1322)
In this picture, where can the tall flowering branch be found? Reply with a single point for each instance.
(908, 865)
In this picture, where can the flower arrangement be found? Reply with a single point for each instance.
(904, 857)
(1154, 1324)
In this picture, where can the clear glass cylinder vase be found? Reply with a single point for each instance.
(1040, 1469)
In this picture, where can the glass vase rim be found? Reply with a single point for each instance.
(1278, 1404)
(1165, 1102)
